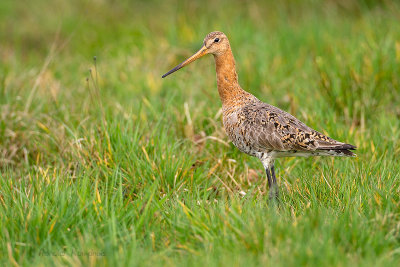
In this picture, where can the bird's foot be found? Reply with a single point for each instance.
(273, 193)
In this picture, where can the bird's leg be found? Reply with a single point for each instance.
(269, 176)
(273, 186)
(268, 164)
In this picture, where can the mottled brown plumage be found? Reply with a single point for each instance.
(257, 128)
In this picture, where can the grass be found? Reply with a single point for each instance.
(118, 166)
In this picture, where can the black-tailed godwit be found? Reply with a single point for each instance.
(257, 128)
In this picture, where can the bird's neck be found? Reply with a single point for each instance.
(227, 79)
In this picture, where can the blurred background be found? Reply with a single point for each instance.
(98, 153)
(337, 58)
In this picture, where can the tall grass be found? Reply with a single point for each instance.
(103, 162)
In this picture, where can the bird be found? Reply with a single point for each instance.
(257, 128)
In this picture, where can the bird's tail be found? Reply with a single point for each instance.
(341, 150)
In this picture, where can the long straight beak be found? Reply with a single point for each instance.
(203, 51)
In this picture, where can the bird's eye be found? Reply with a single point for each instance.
(216, 40)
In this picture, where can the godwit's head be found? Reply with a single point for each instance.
(215, 43)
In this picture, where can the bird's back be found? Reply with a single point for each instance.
(257, 128)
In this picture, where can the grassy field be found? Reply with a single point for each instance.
(104, 163)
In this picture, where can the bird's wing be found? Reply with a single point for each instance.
(275, 129)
